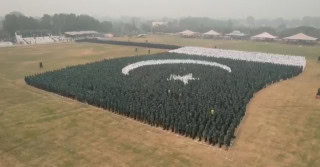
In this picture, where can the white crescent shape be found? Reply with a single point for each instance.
(133, 66)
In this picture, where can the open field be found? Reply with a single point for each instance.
(308, 51)
(38, 128)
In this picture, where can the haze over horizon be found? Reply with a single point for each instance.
(288, 9)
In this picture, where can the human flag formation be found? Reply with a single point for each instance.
(175, 90)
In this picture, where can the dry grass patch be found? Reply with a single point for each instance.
(38, 128)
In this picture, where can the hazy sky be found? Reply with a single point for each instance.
(169, 8)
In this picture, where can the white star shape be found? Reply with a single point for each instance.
(185, 78)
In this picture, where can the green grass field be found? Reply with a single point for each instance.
(39, 128)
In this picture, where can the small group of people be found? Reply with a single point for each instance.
(149, 51)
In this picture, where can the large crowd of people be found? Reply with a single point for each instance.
(242, 55)
(210, 106)
(133, 66)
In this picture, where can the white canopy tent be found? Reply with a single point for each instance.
(264, 36)
(236, 35)
(300, 37)
(188, 33)
(211, 33)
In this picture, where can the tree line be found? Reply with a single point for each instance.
(52, 24)
(60, 23)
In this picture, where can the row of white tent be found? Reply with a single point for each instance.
(262, 36)
(189, 33)
(297, 37)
